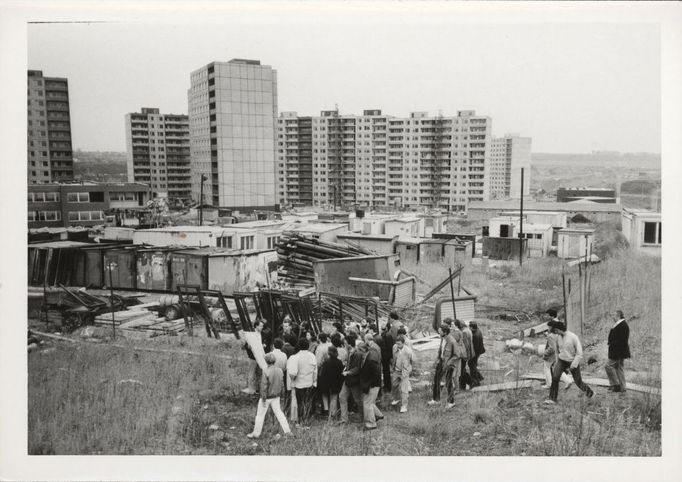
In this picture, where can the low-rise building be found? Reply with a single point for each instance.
(643, 230)
(594, 194)
(82, 204)
(574, 242)
(590, 211)
(404, 227)
(197, 236)
(325, 232)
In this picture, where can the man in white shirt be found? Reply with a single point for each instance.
(303, 374)
(569, 354)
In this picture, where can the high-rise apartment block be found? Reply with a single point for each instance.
(50, 155)
(232, 117)
(158, 152)
(507, 156)
(376, 160)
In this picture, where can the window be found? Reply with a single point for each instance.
(31, 216)
(97, 196)
(272, 241)
(224, 242)
(49, 216)
(652, 233)
(85, 216)
(246, 242)
(78, 197)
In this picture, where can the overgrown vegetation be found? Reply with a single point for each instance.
(96, 399)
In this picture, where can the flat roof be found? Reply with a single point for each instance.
(536, 227)
(258, 224)
(407, 219)
(577, 230)
(59, 244)
(360, 236)
(317, 227)
(187, 229)
(545, 206)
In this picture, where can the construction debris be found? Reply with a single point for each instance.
(297, 253)
(513, 385)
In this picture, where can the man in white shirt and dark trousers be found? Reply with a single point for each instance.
(569, 354)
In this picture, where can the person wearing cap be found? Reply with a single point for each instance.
(271, 385)
(479, 349)
(569, 355)
(447, 364)
(619, 350)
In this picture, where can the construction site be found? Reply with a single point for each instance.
(151, 314)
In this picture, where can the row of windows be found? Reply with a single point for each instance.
(44, 216)
(86, 216)
(43, 197)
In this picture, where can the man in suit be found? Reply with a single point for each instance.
(619, 350)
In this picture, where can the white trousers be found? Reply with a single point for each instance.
(263, 410)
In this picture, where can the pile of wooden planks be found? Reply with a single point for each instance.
(297, 253)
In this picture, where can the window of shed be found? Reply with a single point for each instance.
(652, 233)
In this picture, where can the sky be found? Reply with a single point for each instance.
(572, 87)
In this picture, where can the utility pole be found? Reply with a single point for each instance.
(201, 201)
(110, 268)
(521, 227)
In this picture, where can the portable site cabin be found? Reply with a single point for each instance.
(190, 267)
(643, 230)
(464, 307)
(415, 251)
(332, 275)
(432, 224)
(122, 261)
(404, 227)
(325, 232)
(574, 242)
(56, 262)
(240, 271)
(192, 236)
(154, 268)
(376, 243)
(539, 239)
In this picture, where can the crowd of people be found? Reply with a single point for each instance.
(334, 374)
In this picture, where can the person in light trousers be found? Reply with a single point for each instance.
(272, 383)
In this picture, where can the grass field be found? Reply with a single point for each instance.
(97, 399)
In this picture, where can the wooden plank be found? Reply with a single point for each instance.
(496, 387)
(602, 382)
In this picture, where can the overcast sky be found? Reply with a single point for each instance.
(572, 87)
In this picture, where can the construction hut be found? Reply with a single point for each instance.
(240, 271)
(464, 307)
(376, 243)
(121, 262)
(539, 239)
(56, 262)
(643, 230)
(574, 242)
(405, 227)
(415, 251)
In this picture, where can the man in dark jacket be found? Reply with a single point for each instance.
(619, 350)
(370, 381)
(479, 349)
(351, 385)
(386, 342)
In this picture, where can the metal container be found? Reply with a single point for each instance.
(153, 269)
(189, 267)
(124, 267)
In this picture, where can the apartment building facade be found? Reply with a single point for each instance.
(158, 152)
(232, 118)
(50, 154)
(82, 204)
(376, 160)
(508, 155)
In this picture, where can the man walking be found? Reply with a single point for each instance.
(569, 355)
(467, 339)
(370, 381)
(619, 350)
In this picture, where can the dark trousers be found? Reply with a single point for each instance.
(450, 383)
(560, 366)
(464, 376)
(476, 376)
(437, 376)
(304, 399)
(386, 366)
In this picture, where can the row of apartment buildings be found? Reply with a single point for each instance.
(234, 150)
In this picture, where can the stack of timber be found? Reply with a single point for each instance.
(297, 253)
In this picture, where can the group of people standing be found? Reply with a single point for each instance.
(333, 373)
(460, 347)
